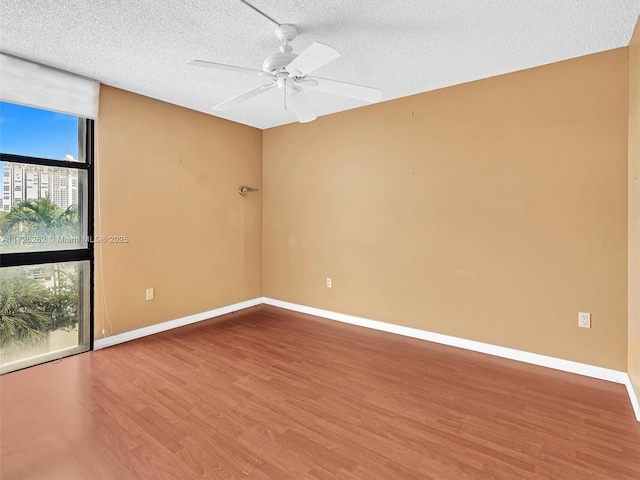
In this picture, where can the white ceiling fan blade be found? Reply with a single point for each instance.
(314, 57)
(222, 66)
(366, 94)
(301, 106)
(242, 97)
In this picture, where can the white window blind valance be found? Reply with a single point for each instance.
(34, 85)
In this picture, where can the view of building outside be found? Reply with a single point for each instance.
(22, 182)
(41, 208)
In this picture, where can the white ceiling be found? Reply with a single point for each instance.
(402, 47)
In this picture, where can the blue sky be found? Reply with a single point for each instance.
(37, 133)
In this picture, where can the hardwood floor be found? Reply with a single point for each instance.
(270, 394)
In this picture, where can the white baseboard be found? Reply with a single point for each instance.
(504, 352)
(178, 322)
(633, 397)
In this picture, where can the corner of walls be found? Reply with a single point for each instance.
(634, 214)
(168, 179)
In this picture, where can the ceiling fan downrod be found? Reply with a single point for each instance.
(277, 62)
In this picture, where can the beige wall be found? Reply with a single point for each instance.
(494, 210)
(634, 210)
(168, 179)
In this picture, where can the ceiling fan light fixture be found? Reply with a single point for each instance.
(281, 81)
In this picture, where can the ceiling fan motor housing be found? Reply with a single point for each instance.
(277, 61)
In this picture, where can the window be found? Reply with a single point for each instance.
(46, 225)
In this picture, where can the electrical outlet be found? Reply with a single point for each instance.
(329, 282)
(149, 294)
(584, 320)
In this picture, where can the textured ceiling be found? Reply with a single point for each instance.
(402, 47)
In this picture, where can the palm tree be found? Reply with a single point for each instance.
(22, 315)
(45, 219)
(28, 309)
(41, 217)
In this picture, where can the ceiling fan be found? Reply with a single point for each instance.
(290, 73)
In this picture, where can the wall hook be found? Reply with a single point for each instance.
(244, 190)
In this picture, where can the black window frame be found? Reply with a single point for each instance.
(86, 147)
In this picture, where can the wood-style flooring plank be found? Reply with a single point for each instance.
(270, 394)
